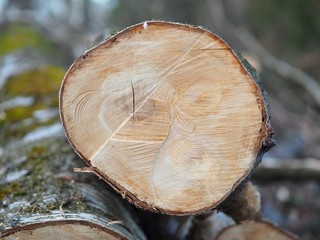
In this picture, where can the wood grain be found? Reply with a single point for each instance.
(255, 230)
(167, 114)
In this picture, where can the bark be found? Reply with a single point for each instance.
(41, 197)
(208, 226)
(244, 204)
(167, 114)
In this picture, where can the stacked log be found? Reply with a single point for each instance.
(42, 198)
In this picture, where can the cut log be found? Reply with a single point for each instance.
(41, 198)
(168, 114)
(255, 230)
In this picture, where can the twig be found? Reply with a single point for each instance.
(84, 170)
(115, 222)
(61, 210)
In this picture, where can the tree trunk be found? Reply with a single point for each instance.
(168, 114)
(41, 197)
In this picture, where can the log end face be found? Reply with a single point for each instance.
(254, 230)
(165, 113)
(63, 230)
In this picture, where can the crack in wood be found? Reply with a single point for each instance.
(133, 99)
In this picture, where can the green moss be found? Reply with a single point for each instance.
(13, 189)
(12, 130)
(75, 204)
(37, 156)
(20, 113)
(45, 162)
(54, 102)
(42, 84)
(16, 36)
(37, 82)
(39, 207)
(36, 152)
(42, 182)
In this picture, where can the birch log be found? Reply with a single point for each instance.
(168, 114)
(41, 197)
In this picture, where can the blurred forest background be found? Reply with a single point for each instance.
(39, 40)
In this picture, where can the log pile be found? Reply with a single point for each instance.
(172, 119)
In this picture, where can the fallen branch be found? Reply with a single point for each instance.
(294, 169)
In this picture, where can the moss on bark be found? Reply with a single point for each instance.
(39, 186)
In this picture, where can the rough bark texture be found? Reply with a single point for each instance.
(168, 114)
(41, 197)
(208, 226)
